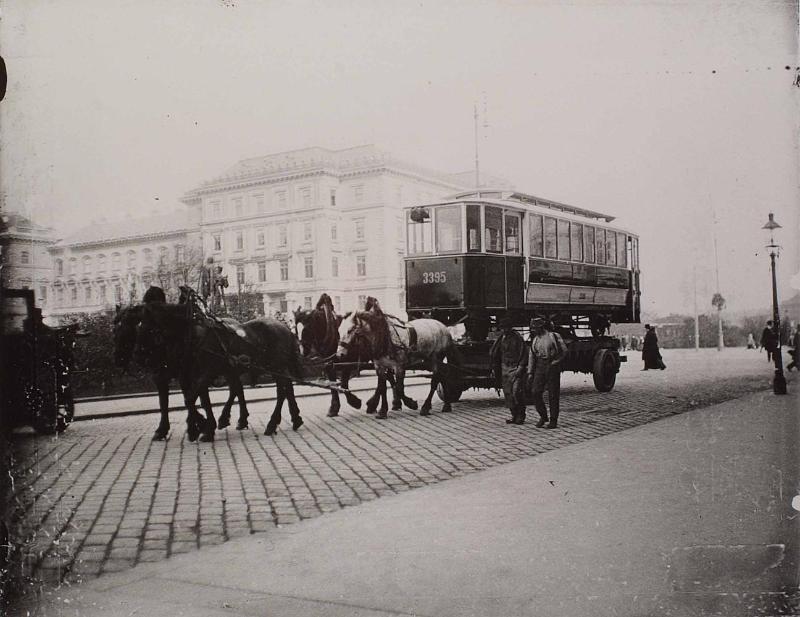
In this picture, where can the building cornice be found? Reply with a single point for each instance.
(123, 240)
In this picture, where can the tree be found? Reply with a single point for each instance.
(718, 302)
(183, 269)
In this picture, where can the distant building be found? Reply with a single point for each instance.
(295, 224)
(26, 263)
(109, 263)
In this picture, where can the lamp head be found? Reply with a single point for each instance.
(771, 225)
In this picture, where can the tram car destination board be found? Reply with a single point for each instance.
(480, 255)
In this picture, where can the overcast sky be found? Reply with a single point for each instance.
(667, 115)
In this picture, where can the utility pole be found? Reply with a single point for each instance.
(718, 302)
(696, 315)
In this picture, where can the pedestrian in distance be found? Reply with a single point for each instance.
(650, 352)
(508, 358)
(544, 370)
(794, 351)
(769, 341)
(751, 341)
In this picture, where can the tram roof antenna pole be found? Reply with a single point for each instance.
(477, 165)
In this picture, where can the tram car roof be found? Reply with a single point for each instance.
(515, 199)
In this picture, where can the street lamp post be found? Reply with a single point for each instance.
(779, 382)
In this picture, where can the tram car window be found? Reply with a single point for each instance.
(448, 229)
(576, 242)
(588, 244)
(473, 228)
(494, 229)
(513, 238)
(536, 240)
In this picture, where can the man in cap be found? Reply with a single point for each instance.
(509, 357)
(546, 353)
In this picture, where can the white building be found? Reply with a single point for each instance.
(295, 224)
(107, 263)
(26, 262)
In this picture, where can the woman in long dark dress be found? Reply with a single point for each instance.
(650, 352)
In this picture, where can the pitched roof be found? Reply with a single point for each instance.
(128, 229)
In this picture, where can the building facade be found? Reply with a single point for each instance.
(105, 264)
(26, 262)
(296, 224)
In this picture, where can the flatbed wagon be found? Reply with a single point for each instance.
(36, 364)
(479, 256)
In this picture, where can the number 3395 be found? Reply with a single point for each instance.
(434, 277)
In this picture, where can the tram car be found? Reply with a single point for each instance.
(37, 362)
(481, 255)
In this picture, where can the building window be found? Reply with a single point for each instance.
(260, 204)
(361, 265)
(216, 209)
(87, 264)
(280, 197)
(334, 267)
(283, 305)
(179, 253)
(309, 267)
(358, 193)
(337, 304)
(240, 275)
(116, 260)
(148, 256)
(239, 241)
(307, 303)
(59, 267)
(333, 197)
(238, 206)
(101, 294)
(262, 272)
(25, 257)
(60, 296)
(334, 232)
(131, 260)
(359, 229)
(284, 269)
(87, 294)
(73, 265)
(43, 295)
(74, 295)
(118, 294)
(305, 196)
(217, 242)
(260, 237)
(362, 301)
(307, 232)
(101, 263)
(282, 235)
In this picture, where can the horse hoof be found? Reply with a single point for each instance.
(333, 414)
(371, 409)
(382, 415)
(223, 422)
(160, 435)
(411, 404)
(192, 436)
(296, 424)
(241, 425)
(446, 408)
(397, 407)
(425, 412)
(270, 431)
(206, 437)
(353, 401)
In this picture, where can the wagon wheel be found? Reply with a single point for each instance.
(42, 402)
(604, 370)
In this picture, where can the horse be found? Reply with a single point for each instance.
(210, 348)
(394, 345)
(164, 364)
(318, 333)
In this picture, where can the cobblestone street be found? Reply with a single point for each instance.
(102, 497)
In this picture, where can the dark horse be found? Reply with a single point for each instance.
(197, 350)
(318, 331)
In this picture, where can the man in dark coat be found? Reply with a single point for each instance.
(768, 340)
(650, 352)
(544, 370)
(509, 358)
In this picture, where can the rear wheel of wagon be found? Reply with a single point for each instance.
(604, 370)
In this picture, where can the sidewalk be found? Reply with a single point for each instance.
(690, 515)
